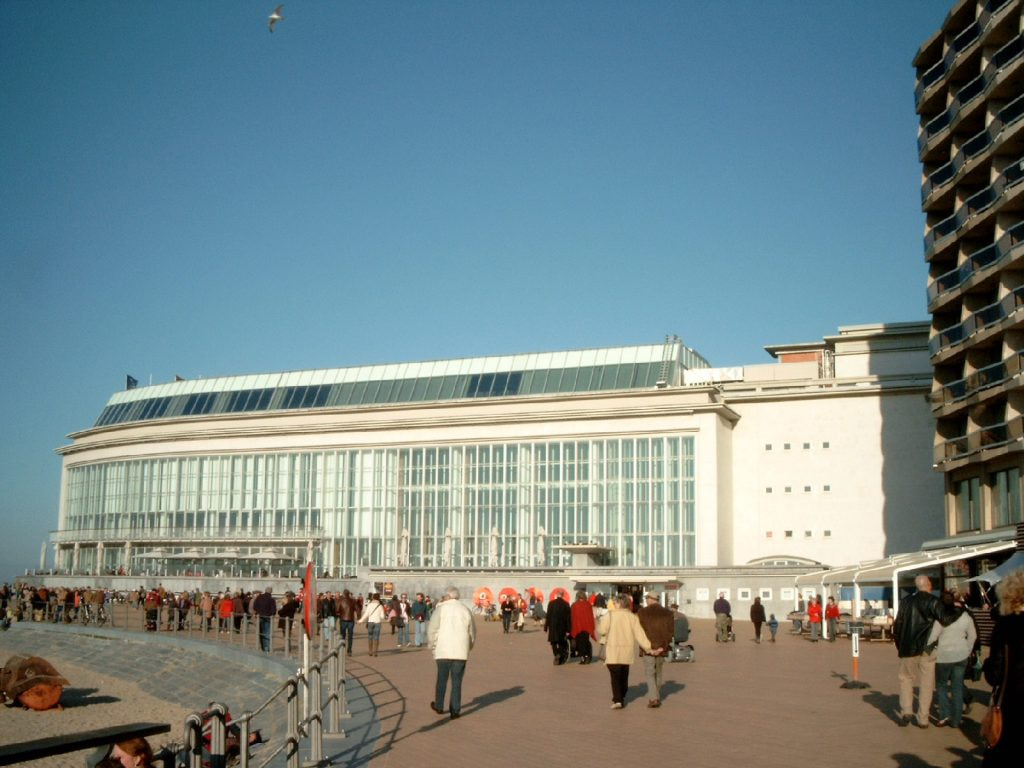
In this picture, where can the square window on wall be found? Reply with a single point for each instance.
(825, 444)
(826, 488)
(768, 489)
(807, 489)
(807, 534)
(827, 534)
(743, 593)
(767, 446)
(767, 534)
(807, 446)
(786, 446)
(789, 534)
(789, 489)
(765, 593)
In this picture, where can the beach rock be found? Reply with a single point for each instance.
(32, 682)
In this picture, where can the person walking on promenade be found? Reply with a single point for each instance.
(374, 614)
(722, 611)
(757, 617)
(814, 616)
(558, 624)
(347, 619)
(507, 609)
(452, 634)
(265, 608)
(910, 633)
(286, 617)
(832, 617)
(1005, 667)
(583, 629)
(418, 616)
(658, 624)
(773, 626)
(403, 620)
(620, 633)
(954, 645)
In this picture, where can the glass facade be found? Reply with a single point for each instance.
(507, 505)
(388, 391)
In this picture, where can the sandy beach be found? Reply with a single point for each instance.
(93, 700)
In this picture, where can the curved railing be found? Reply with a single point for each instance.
(970, 91)
(975, 204)
(991, 256)
(980, 380)
(985, 317)
(986, 437)
(1005, 118)
(966, 38)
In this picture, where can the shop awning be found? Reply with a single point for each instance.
(890, 569)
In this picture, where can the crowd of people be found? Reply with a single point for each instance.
(937, 643)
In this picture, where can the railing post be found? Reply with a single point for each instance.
(332, 692)
(218, 758)
(244, 724)
(293, 723)
(315, 717)
(194, 740)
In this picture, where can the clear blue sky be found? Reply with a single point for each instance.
(182, 192)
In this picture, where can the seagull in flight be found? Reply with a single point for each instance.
(275, 17)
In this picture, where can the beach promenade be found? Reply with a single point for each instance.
(773, 705)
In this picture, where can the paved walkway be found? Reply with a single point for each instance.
(775, 704)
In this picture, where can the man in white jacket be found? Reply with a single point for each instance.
(452, 634)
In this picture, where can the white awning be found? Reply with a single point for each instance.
(890, 569)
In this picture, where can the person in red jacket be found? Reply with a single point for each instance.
(814, 618)
(832, 617)
(582, 618)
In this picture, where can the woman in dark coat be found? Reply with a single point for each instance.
(757, 616)
(1008, 640)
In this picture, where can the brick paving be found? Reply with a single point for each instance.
(774, 704)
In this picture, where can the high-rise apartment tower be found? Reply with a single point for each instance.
(970, 98)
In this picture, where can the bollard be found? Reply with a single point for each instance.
(855, 651)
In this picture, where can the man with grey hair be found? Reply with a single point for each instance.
(910, 633)
(452, 633)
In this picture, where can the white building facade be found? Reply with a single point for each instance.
(623, 465)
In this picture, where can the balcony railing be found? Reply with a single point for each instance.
(973, 89)
(1007, 117)
(980, 380)
(975, 204)
(986, 317)
(991, 256)
(967, 37)
(984, 438)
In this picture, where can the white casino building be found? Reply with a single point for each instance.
(619, 466)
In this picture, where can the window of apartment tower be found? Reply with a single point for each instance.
(1006, 506)
(968, 505)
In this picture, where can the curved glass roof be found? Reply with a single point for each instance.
(589, 370)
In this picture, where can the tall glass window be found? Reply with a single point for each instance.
(968, 505)
(488, 505)
(1006, 506)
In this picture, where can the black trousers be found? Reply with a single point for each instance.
(583, 648)
(560, 648)
(620, 681)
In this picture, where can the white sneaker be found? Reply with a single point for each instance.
(616, 705)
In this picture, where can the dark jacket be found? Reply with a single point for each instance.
(757, 613)
(559, 620)
(1008, 638)
(658, 623)
(264, 605)
(914, 622)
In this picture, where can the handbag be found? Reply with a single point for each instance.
(992, 723)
